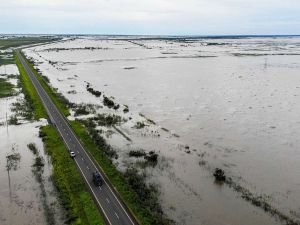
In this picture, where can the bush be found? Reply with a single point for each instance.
(107, 119)
(81, 110)
(39, 162)
(126, 109)
(13, 120)
(138, 153)
(152, 157)
(108, 102)
(92, 91)
(140, 125)
(100, 141)
(33, 148)
(219, 174)
(148, 194)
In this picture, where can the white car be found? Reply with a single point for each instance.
(72, 154)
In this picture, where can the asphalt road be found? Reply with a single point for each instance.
(111, 207)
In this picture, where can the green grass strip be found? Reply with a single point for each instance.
(72, 190)
(58, 99)
(30, 93)
(80, 206)
(142, 214)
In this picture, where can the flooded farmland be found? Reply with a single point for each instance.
(199, 104)
(27, 193)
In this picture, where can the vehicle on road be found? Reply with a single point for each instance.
(72, 154)
(97, 179)
(86, 165)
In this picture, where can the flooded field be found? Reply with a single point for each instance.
(27, 194)
(199, 104)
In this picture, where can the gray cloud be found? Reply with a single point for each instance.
(150, 16)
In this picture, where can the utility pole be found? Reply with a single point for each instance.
(6, 105)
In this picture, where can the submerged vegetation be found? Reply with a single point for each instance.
(150, 158)
(81, 209)
(6, 58)
(31, 96)
(59, 100)
(13, 120)
(73, 194)
(15, 41)
(84, 109)
(92, 91)
(107, 120)
(13, 160)
(6, 88)
(125, 185)
(108, 102)
(219, 175)
(72, 191)
(38, 170)
(261, 202)
(148, 194)
(137, 153)
(22, 108)
(137, 192)
(257, 200)
(99, 140)
(140, 125)
(32, 147)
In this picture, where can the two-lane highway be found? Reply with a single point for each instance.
(111, 207)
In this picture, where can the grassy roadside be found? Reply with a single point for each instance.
(30, 93)
(80, 206)
(131, 199)
(116, 178)
(75, 198)
(59, 100)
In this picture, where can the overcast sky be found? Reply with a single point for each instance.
(174, 17)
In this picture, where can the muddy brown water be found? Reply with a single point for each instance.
(237, 111)
(23, 199)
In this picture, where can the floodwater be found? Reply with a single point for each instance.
(24, 197)
(226, 103)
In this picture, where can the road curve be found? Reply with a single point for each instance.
(111, 207)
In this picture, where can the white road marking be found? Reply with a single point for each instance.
(81, 158)
(94, 194)
(103, 180)
(107, 200)
(87, 167)
(117, 215)
(40, 92)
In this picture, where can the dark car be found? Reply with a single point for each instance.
(97, 179)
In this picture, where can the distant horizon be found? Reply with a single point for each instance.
(152, 35)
